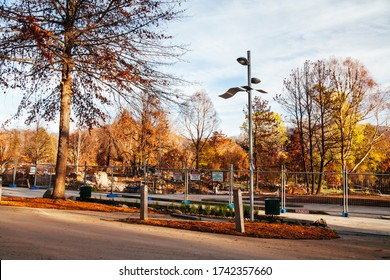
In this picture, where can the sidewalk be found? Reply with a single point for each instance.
(351, 224)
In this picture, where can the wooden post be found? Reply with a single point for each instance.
(239, 211)
(144, 203)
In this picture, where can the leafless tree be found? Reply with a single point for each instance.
(199, 120)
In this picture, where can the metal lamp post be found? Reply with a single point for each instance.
(230, 93)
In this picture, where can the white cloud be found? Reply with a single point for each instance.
(281, 36)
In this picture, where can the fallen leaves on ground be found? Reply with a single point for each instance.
(64, 204)
(252, 229)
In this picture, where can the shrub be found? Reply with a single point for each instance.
(183, 208)
(229, 212)
(207, 210)
(193, 209)
(200, 209)
(247, 211)
(214, 211)
(222, 211)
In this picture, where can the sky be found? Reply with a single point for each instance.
(281, 36)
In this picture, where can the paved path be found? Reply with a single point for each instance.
(357, 225)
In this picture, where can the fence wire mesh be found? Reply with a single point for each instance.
(325, 188)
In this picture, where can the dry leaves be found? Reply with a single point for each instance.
(252, 229)
(65, 204)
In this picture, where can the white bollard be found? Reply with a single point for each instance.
(144, 203)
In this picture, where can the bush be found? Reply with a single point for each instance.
(207, 210)
(247, 212)
(193, 209)
(229, 212)
(183, 208)
(222, 211)
(200, 209)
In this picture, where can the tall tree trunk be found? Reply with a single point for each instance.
(64, 130)
(197, 156)
(303, 155)
(66, 96)
(322, 151)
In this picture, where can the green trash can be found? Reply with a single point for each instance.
(272, 206)
(85, 192)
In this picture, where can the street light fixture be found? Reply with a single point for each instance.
(230, 93)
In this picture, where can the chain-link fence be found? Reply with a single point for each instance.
(340, 188)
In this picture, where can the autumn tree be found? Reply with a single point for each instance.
(381, 154)
(221, 151)
(11, 147)
(124, 129)
(365, 155)
(6, 153)
(269, 134)
(152, 130)
(327, 100)
(80, 55)
(296, 101)
(80, 147)
(199, 120)
(39, 145)
(178, 153)
(307, 99)
(354, 99)
(293, 150)
(137, 138)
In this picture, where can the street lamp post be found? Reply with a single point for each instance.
(230, 93)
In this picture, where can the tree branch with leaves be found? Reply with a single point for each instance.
(76, 55)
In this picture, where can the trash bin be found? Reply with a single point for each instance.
(85, 192)
(272, 206)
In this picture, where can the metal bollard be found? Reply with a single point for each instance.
(239, 211)
(144, 203)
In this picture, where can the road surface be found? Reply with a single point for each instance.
(45, 234)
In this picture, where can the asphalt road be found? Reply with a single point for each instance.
(44, 234)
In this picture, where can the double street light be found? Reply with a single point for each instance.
(230, 93)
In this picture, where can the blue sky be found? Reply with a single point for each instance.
(280, 34)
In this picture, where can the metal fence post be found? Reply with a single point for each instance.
(35, 175)
(231, 187)
(13, 185)
(50, 175)
(85, 174)
(112, 179)
(345, 192)
(34, 186)
(186, 183)
(112, 194)
(283, 191)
